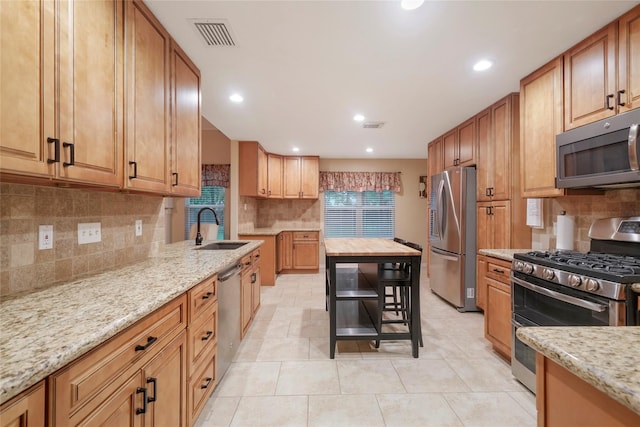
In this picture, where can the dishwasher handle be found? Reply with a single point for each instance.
(229, 273)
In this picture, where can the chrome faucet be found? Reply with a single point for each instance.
(198, 235)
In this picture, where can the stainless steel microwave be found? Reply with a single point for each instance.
(601, 154)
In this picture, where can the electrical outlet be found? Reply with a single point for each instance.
(89, 232)
(138, 227)
(45, 237)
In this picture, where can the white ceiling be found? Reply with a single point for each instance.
(306, 67)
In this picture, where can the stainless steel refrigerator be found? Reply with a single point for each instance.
(452, 237)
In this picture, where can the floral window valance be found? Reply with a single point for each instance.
(217, 175)
(360, 181)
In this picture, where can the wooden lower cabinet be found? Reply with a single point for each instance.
(495, 287)
(201, 384)
(285, 251)
(246, 311)
(306, 247)
(268, 255)
(564, 400)
(25, 410)
(481, 283)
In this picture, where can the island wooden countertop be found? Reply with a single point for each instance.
(367, 247)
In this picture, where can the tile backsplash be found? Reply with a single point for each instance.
(275, 213)
(23, 267)
(585, 209)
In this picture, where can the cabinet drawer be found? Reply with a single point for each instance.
(255, 256)
(305, 235)
(499, 270)
(73, 387)
(246, 261)
(202, 335)
(201, 385)
(202, 297)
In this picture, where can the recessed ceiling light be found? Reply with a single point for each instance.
(369, 150)
(411, 4)
(358, 117)
(236, 97)
(482, 65)
(295, 149)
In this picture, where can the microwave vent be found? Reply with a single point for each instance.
(214, 32)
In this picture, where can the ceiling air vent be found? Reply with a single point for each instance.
(214, 32)
(372, 125)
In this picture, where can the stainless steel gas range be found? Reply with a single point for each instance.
(567, 288)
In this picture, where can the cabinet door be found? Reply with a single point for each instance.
(274, 173)
(185, 120)
(497, 316)
(450, 147)
(305, 255)
(26, 410)
(485, 155)
(481, 284)
(285, 249)
(501, 224)
(629, 61)
(435, 156)
(147, 119)
(123, 408)
(255, 288)
(165, 379)
(90, 88)
(309, 177)
(467, 143)
(27, 90)
(253, 169)
(245, 300)
(263, 172)
(500, 165)
(291, 175)
(541, 120)
(590, 79)
(484, 229)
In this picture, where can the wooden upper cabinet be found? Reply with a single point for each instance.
(301, 177)
(485, 153)
(590, 79)
(450, 148)
(274, 176)
(541, 120)
(435, 155)
(27, 91)
(185, 120)
(148, 115)
(253, 169)
(459, 145)
(629, 61)
(88, 102)
(503, 123)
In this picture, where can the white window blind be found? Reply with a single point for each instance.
(212, 197)
(359, 214)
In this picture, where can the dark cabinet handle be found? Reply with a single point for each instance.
(487, 191)
(488, 209)
(263, 191)
(135, 169)
(254, 277)
(620, 103)
(606, 102)
(497, 270)
(72, 153)
(207, 295)
(247, 263)
(150, 340)
(144, 400)
(176, 182)
(207, 381)
(153, 381)
(207, 336)
(56, 150)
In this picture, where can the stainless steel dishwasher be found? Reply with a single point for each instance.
(228, 316)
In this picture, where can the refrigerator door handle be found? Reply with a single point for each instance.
(440, 209)
(444, 255)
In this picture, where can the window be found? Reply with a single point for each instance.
(359, 214)
(211, 197)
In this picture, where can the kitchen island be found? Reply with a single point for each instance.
(353, 296)
(586, 376)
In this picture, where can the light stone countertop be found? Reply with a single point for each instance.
(636, 287)
(42, 331)
(504, 254)
(606, 357)
(272, 231)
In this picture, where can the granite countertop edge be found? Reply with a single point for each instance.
(601, 356)
(504, 254)
(44, 330)
(273, 231)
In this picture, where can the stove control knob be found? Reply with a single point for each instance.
(527, 268)
(592, 285)
(517, 265)
(574, 280)
(548, 274)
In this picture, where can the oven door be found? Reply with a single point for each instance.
(523, 357)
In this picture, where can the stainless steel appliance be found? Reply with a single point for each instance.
(601, 154)
(228, 316)
(567, 288)
(452, 237)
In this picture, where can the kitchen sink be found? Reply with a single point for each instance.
(222, 246)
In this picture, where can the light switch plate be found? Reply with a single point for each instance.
(45, 237)
(138, 227)
(89, 232)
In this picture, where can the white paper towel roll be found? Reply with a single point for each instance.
(564, 232)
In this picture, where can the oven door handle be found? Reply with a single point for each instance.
(562, 297)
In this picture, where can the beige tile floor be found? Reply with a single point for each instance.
(283, 376)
